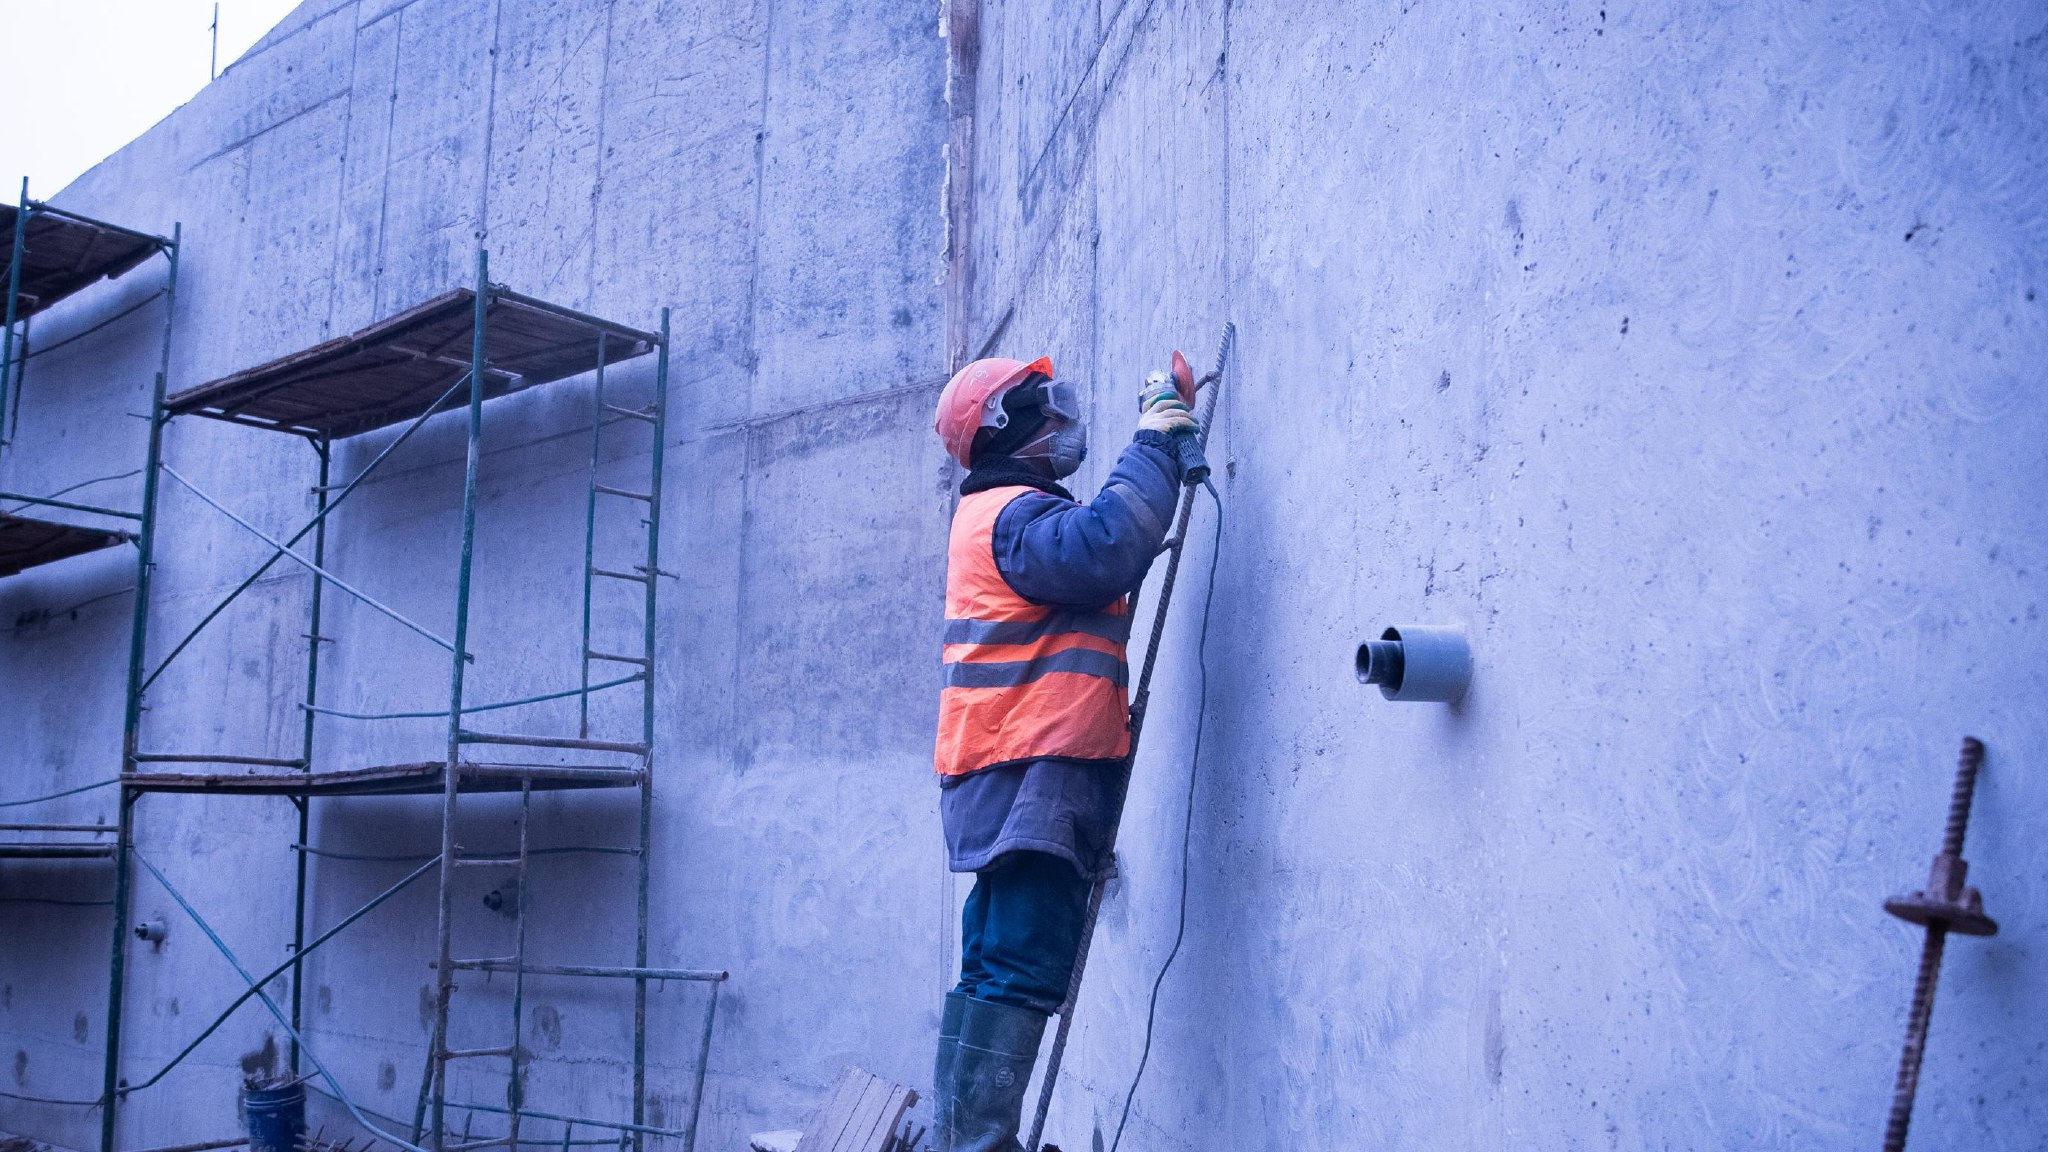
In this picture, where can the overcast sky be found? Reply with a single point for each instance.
(84, 77)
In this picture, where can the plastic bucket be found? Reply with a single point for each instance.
(275, 1116)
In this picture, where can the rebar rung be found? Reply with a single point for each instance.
(646, 414)
(593, 654)
(643, 497)
(636, 577)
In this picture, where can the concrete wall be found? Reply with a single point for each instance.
(1688, 355)
(1691, 356)
(771, 173)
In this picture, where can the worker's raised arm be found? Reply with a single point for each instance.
(1086, 555)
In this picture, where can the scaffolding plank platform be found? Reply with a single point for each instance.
(26, 542)
(384, 780)
(64, 252)
(396, 369)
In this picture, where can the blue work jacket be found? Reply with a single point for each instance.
(1053, 550)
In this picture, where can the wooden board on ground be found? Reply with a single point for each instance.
(861, 1114)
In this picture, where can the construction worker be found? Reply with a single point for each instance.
(1033, 715)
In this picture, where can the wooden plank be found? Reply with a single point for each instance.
(64, 253)
(903, 1104)
(881, 1122)
(861, 1114)
(876, 1102)
(882, 1128)
(877, 1136)
(385, 780)
(397, 368)
(26, 542)
(844, 1095)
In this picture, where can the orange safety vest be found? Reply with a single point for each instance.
(1023, 681)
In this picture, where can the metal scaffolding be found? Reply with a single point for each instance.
(452, 353)
(53, 254)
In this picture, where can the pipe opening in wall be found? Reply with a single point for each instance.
(1417, 662)
(1379, 661)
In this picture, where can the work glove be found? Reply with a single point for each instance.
(1162, 410)
(1168, 415)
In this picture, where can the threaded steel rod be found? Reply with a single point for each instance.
(1922, 1012)
(1972, 758)
(1908, 1081)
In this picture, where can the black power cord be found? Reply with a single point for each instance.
(1188, 825)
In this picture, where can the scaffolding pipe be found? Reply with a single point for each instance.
(256, 987)
(614, 1125)
(443, 715)
(444, 934)
(314, 568)
(13, 300)
(515, 1092)
(590, 539)
(465, 736)
(229, 1011)
(209, 758)
(108, 783)
(131, 719)
(481, 859)
(703, 1066)
(75, 337)
(203, 1146)
(267, 977)
(13, 413)
(568, 1122)
(699, 975)
(47, 502)
(647, 741)
(44, 208)
(304, 804)
(327, 508)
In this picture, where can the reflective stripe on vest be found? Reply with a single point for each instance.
(1023, 681)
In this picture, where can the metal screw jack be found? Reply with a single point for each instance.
(1945, 905)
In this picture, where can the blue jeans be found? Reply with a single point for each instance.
(1021, 929)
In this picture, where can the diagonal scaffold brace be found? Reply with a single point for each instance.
(1207, 387)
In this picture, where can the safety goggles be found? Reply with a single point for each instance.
(1056, 398)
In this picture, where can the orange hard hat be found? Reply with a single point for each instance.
(973, 400)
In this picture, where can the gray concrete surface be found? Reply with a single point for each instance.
(1689, 355)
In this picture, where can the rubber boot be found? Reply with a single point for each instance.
(942, 1072)
(998, 1046)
